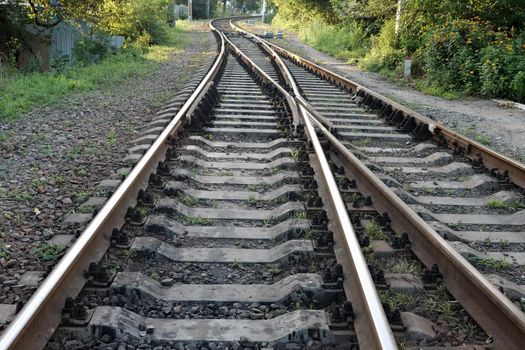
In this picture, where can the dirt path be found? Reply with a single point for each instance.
(55, 156)
(502, 128)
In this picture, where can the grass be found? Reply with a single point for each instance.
(374, 231)
(431, 89)
(301, 215)
(396, 300)
(483, 139)
(21, 92)
(493, 264)
(400, 265)
(47, 251)
(309, 234)
(3, 252)
(499, 204)
(112, 137)
(196, 220)
(294, 152)
(186, 199)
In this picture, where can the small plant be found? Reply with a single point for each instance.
(400, 265)
(47, 251)
(154, 276)
(374, 231)
(22, 196)
(396, 300)
(456, 226)
(112, 137)
(274, 270)
(143, 211)
(301, 215)
(87, 209)
(294, 153)
(251, 198)
(3, 252)
(499, 204)
(483, 139)
(297, 304)
(235, 265)
(430, 190)
(59, 180)
(309, 234)
(196, 220)
(449, 191)
(493, 264)
(81, 172)
(503, 244)
(361, 143)
(186, 199)
(208, 136)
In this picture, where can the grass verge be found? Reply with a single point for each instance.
(20, 92)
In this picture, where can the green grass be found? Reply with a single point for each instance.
(3, 252)
(20, 92)
(499, 204)
(186, 199)
(46, 251)
(430, 89)
(493, 264)
(396, 300)
(196, 220)
(483, 139)
(374, 231)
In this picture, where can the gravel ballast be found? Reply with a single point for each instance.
(55, 156)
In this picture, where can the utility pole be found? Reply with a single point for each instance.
(264, 8)
(208, 9)
(190, 10)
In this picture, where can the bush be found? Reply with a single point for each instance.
(517, 86)
(503, 68)
(88, 50)
(384, 53)
(137, 20)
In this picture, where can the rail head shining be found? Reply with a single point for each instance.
(378, 334)
(36, 321)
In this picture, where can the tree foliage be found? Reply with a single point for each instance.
(472, 46)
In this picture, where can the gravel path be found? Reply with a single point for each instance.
(501, 127)
(55, 156)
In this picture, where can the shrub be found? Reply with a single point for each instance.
(137, 20)
(503, 68)
(518, 86)
(90, 50)
(384, 53)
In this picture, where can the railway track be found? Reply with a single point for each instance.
(466, 193)
(248, 224)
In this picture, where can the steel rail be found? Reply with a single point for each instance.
(374, 330)
(37, 320)
(472, 149)
(494, 312)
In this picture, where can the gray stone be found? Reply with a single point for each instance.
(7, 312)
(418, 328)
(62, 240)
(31, 278)
(404, 283)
